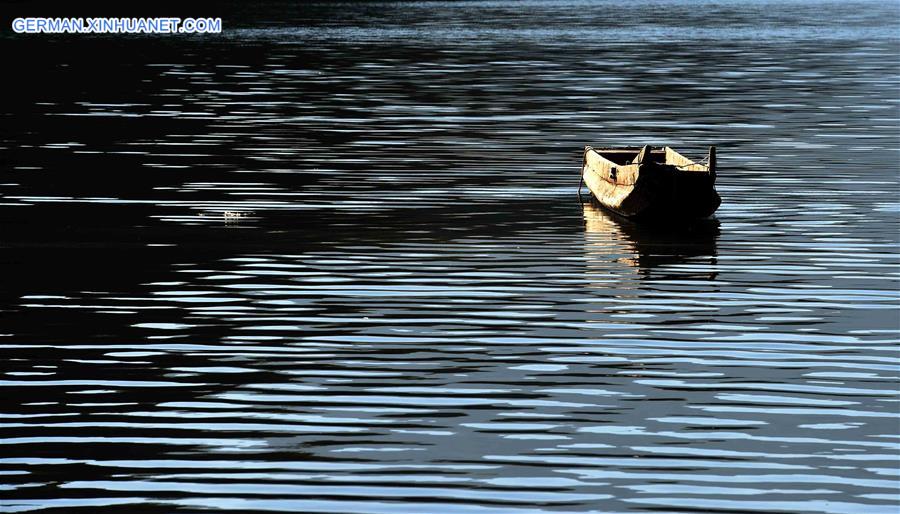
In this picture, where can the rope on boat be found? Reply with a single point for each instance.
(702, 162)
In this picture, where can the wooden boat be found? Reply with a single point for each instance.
(651, 183)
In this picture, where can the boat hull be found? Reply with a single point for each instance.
(651, 189)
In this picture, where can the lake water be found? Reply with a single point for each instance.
(417, 313)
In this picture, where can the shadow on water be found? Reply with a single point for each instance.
(649, 247)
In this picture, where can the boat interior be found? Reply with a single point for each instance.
(664, 156)
(623, 156)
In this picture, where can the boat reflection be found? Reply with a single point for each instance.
(685, 250)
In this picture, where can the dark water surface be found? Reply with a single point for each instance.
(420, 316)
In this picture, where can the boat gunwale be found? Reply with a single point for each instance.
(659, 150)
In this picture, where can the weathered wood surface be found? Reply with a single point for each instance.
(613, 184)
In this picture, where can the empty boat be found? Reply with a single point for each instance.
(651, 182)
